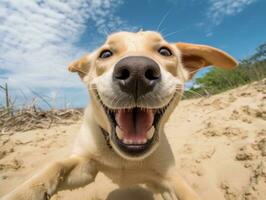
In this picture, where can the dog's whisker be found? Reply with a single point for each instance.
(162, 31)
(179, 93)
(174, 32)
(113, 100)
(194, 92)
(116, 101)
(163, 20)
(105, 32)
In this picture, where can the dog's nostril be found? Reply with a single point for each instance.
(151, 74)
(122, 74)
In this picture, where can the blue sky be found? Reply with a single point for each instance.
(39, 38)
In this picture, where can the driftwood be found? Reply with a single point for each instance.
(29, 119)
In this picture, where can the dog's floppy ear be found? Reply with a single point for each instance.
(81, 66)
(195, 56)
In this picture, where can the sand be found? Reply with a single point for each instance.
(219, 143)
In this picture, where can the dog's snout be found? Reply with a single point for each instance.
(137, 75)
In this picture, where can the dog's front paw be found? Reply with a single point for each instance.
(35, 193)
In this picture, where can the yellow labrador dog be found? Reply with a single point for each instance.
(135, 81)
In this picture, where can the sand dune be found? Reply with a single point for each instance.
(219, 143)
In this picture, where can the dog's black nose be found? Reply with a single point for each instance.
(137, 75)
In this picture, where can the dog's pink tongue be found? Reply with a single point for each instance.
(134, 123)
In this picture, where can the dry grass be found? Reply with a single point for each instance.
(32, 118)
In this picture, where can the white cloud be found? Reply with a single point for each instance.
(209, 34)
(221, 8)
(38, 38)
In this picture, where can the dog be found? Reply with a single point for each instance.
(135, 80)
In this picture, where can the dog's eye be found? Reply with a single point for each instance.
(164, 51)
(106, 54)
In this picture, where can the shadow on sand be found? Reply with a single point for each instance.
(134, 193)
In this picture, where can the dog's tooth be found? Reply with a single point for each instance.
(130, 141)
(150, 132)
(144, 141)
(134, 141)
(126, 141)
(119, 133)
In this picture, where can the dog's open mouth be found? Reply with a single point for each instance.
(134, 130)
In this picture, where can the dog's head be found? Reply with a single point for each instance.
(135, 80)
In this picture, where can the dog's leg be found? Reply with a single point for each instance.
(67, 174)
(179, 187)
(172, 187)
(167, 195)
